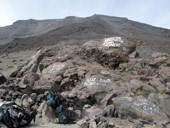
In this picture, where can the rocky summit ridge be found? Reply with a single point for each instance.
(103, 82)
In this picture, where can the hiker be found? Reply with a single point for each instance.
(15, 116)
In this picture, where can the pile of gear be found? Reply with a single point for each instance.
(57, 102)
(14, 116)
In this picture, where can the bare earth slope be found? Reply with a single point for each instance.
(73, 30)
(31, 27)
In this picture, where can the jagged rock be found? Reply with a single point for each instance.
(87, 106)
(40, 97)
(23, 86)
(165, 73)
(162, 101)
(96, 84)
(168, 85)
(53, 70)
(136, 85)
(30, 65)
(78, 114)
(30, 101)
(93, 112)
(168, 125)
(92, 124)
(110, 111)
(3, 92)
(41, 107)
(30, 78)
(34, 96)
(27, 90)
(107, 100)
(134, 54)
(34, 107)
(26, 104)
(8, 98)
(58, 79)
(65, 82)
(10, 93)
(83, 123)
(81, 73)
(106, 56)
(42, 85)
(158, 54)
(48, 114)
(24, 101)
(2, 78)
(155, 82)
(25, 96)
(138, 125)
(17, 93)
(156, 62)
(18, 102)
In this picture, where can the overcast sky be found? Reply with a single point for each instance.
(154, 12)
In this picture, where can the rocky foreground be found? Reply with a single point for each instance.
(103, 83)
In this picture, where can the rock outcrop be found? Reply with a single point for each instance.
(101, 81)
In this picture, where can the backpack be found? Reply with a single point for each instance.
(64, 115)
(12, 119)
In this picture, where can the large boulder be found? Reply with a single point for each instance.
(29, 80)
(109, 52)
(31, 65)
(24, 101)
(165, 73)
(53, 70)
(3, 92)
(93, 112)
(42, 85)
(97, 83)
(2, 78)
(48, 114)
(156, 83)
(162, 100)
(140, 107)
(138, 86)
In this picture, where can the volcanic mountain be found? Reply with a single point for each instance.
(28, 34)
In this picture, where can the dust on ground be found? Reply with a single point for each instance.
(10, 62)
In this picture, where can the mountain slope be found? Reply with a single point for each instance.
(27, 28)
(73, 30)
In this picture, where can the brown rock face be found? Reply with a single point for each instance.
(30, 78)
(48, 114)
(42, 85)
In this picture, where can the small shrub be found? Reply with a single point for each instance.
(141, 92)
(10, 66)
(146, 117)
(162, 92)
(154, 102)
(13, 74)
